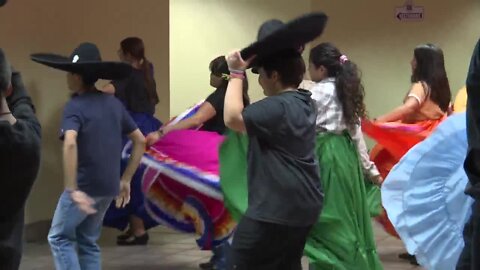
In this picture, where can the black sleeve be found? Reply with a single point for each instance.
(121, 88)
(472, 161)
(21, 105)
(217, 99)
(20, 150)
(473, 77)
(128, 124)
(473, 95)
(261, 118)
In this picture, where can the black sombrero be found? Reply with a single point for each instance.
(85, 59)
(274, 36)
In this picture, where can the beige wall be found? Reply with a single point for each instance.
(365, 30)
(28, 26)
(201, 30)
(382, 46)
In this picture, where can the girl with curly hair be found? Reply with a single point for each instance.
(343, 236)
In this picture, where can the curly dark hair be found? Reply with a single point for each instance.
(348, 82)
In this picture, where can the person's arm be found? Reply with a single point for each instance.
(135, 135)
(21, 105)
(109, 89)
(472, 161)
(24, 131)
(234, 105)
(71, 125)
(70, 166)
(138, 150)
(70, 162)
(368, 167)
(473, 83)
(412, 103)
(232, 113)
(205, 112)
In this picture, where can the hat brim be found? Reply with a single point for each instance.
(103, 70)
(292, 35)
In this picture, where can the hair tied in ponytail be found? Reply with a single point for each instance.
(343, 59)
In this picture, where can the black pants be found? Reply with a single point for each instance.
(470, 257)
(11, 239)
(266, 246)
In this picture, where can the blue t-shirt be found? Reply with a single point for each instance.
(100, 121)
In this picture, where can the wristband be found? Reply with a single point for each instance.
(236, 71)
(237, 76)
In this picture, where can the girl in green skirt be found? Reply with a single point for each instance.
(343, 237)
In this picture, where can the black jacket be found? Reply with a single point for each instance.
(19, 157)
(472, 162)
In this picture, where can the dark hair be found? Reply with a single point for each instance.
(135, 47)
(5, 74)
(88, 79)
(219, 67)
(288, 64)
(348, 83)
(431, 70)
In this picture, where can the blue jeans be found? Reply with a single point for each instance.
(72, 229)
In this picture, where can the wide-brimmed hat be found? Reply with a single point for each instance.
(274, 36)
(85, 60)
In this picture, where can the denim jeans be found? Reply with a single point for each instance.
(72, 229)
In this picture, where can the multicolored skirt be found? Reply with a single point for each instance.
(181, 184)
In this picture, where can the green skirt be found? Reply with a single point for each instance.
(342, 239)
(233, 173)
(343, 236)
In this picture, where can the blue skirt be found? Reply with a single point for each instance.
(119, 218)
(424, 196)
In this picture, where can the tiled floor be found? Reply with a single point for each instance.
(169, 250)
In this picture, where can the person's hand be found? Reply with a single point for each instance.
(377, 180)
(235, 61)
(152, 138)
(83, 201)
(123, 197)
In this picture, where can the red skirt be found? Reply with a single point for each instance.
(393, 141)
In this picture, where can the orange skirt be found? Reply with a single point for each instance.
(393, 141)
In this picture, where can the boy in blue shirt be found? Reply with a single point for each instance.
(92, 128)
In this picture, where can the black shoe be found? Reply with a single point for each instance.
(406, 256)
(413, 261)
(207, 266)
(124, 236)
(134, 240)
